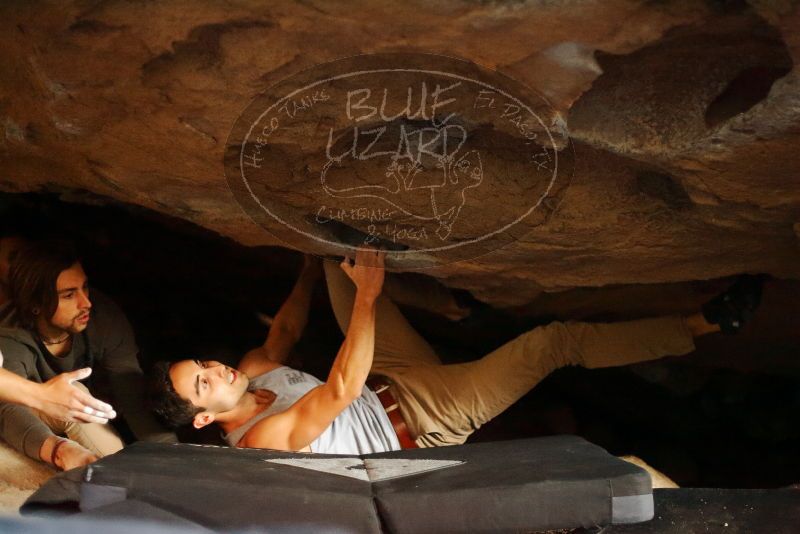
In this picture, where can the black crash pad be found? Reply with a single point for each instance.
(726, 511)
(677, 511)
(523, 485)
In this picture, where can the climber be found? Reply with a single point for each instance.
(412, 399)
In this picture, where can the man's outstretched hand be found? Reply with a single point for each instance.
(61, 399)
(367, 273)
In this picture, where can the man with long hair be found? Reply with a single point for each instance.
(59, 331)
(58, 398)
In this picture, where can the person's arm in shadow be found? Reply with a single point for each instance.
(288, 325)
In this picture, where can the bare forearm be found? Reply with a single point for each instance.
(293, 314)
(16, 389)
(354, 360)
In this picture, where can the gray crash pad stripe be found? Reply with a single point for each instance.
(632, 509)
(98, 495)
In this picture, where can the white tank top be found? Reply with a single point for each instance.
(362, 428)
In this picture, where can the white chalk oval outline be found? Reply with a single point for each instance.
(420, 71)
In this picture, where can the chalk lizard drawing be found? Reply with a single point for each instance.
(446, 191)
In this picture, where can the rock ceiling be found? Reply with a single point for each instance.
(684, 119)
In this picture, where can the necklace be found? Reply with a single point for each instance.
(55, 342)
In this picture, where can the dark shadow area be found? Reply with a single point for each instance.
(724, 416)
(665, 188)
(749, 88)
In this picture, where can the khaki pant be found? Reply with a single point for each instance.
(102, 440)
(444, 404)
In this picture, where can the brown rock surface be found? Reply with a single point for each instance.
(685, 118)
